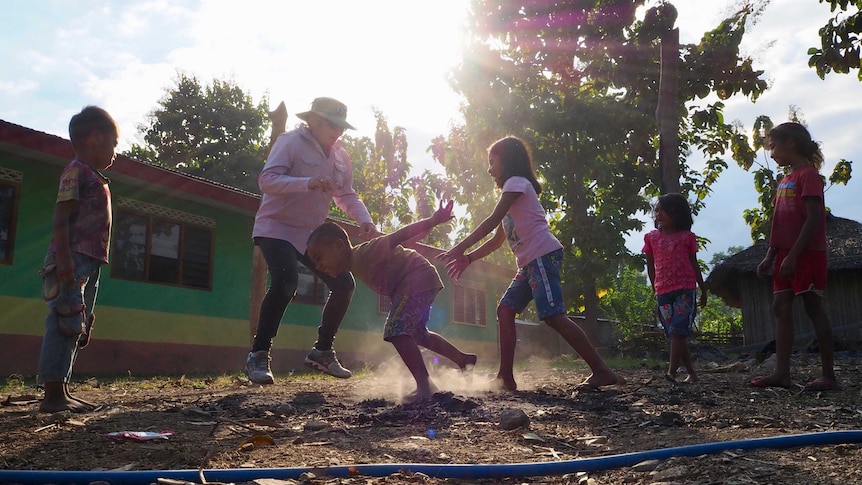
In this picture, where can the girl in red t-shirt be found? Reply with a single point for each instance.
(797, 253)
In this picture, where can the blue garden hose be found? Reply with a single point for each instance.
(462, 471)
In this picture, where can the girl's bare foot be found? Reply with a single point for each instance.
(600, 379)
(770, 381)
(503, 383)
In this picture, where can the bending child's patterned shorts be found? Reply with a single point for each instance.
(409, 316)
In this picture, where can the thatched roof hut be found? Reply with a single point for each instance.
(735, 281)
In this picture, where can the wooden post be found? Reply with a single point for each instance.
(667, 112)
(258, 290)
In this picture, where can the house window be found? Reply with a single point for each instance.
(384, 304)
(10, 183)
(310, 289)
(469, 305)
(160, 250)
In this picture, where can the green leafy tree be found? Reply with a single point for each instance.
(380, 177)
(718, 317)
(630, 302)
(464, 158)
(428, 189)
(840, 40)
(214, 131)
(579, 82)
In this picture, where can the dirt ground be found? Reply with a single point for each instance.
(314, 422)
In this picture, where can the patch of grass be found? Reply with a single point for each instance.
(632, 362)
(567, 361)
(306, 374)
(198, 381)
(202, 381)
(14, 384)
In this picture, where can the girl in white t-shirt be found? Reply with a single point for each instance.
(519, 218)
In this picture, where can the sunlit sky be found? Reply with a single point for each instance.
(395, 55)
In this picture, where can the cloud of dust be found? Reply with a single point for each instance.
(392, 381)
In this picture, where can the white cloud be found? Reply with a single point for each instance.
(17, 88)
(389, 54)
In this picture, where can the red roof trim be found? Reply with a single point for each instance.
(55, 146)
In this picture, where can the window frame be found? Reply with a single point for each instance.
(13, 184)
(384, 304)
(478, 297)
(182, 258)
(320, 291)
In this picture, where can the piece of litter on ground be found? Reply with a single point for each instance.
(257, 441)
(22, 400)
(43, 428)
(140, 435)
(530, 436)
(261, 422)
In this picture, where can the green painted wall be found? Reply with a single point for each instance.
(146, 312)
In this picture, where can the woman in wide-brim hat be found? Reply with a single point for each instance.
(306, 170)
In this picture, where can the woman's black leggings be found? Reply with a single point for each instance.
(281, 262)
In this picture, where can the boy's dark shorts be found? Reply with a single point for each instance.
(409, 316)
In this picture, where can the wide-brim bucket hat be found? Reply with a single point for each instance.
(330, 109)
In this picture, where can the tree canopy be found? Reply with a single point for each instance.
(840, 40)
(579, 82)
(215, 131)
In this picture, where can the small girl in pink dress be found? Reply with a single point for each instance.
(671, 253)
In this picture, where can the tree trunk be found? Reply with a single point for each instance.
(591, 308)
(667, 113)
(278, 117)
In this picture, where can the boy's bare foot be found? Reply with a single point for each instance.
(61, 404)
(414, 397)
(82, 402)
(503, 384)
(70, 397)
(422, 393)
(468, 362)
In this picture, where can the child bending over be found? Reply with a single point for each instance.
(409, 280)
